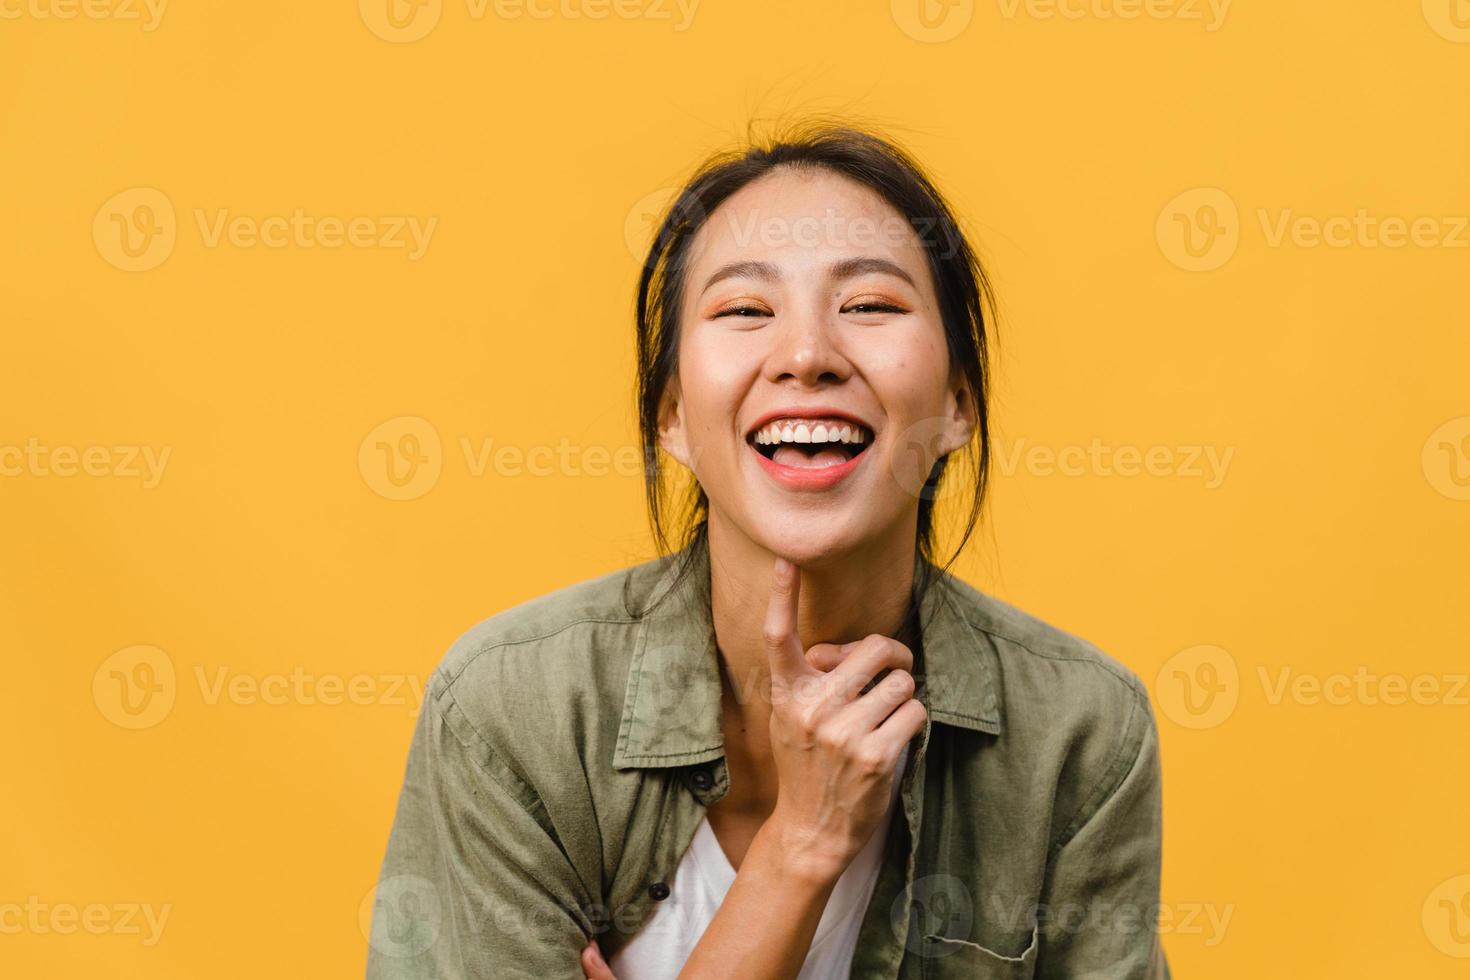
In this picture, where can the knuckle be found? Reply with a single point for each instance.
(901, 682)
(870, 758)
(834, 738)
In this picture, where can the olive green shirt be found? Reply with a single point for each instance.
(567, 748)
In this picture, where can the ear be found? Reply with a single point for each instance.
(673, 434)
(961, 415)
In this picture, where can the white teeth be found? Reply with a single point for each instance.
(803, 432)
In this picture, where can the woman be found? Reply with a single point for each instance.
(793, 746)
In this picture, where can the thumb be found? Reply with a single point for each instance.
(593, 964)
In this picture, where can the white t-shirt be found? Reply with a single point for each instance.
(659, 950)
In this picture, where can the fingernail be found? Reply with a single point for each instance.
(597, 956)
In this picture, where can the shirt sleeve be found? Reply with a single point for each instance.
(475, 882)
(1100, 909)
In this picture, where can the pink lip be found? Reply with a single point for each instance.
(806, 477)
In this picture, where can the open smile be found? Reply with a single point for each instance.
(802, 452)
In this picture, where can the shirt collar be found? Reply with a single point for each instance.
(671, 707)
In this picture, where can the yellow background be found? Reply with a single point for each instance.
(1332, 834)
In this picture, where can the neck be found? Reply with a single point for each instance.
(843, 598)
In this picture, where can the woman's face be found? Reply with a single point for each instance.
(814, 391)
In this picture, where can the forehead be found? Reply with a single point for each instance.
(802, 218)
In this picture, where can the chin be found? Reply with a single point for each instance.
(793, 540)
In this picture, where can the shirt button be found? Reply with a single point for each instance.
(658, 891)
(702, 779)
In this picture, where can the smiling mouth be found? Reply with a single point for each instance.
(811, 443)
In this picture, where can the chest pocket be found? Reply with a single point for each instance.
(944, 958)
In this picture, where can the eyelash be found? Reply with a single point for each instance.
(864, 307)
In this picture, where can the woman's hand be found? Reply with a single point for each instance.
(593, 965)
(835, 747)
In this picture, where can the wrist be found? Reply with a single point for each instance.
(791, 850)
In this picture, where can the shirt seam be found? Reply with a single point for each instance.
(1126, 678)
(1108, 786)
(450, 679)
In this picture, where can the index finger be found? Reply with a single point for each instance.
(782, 643)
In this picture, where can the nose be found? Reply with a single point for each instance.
(806, 351)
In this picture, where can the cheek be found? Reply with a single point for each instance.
(908, 371)
(714, 377)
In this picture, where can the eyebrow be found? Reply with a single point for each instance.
(836, 272)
